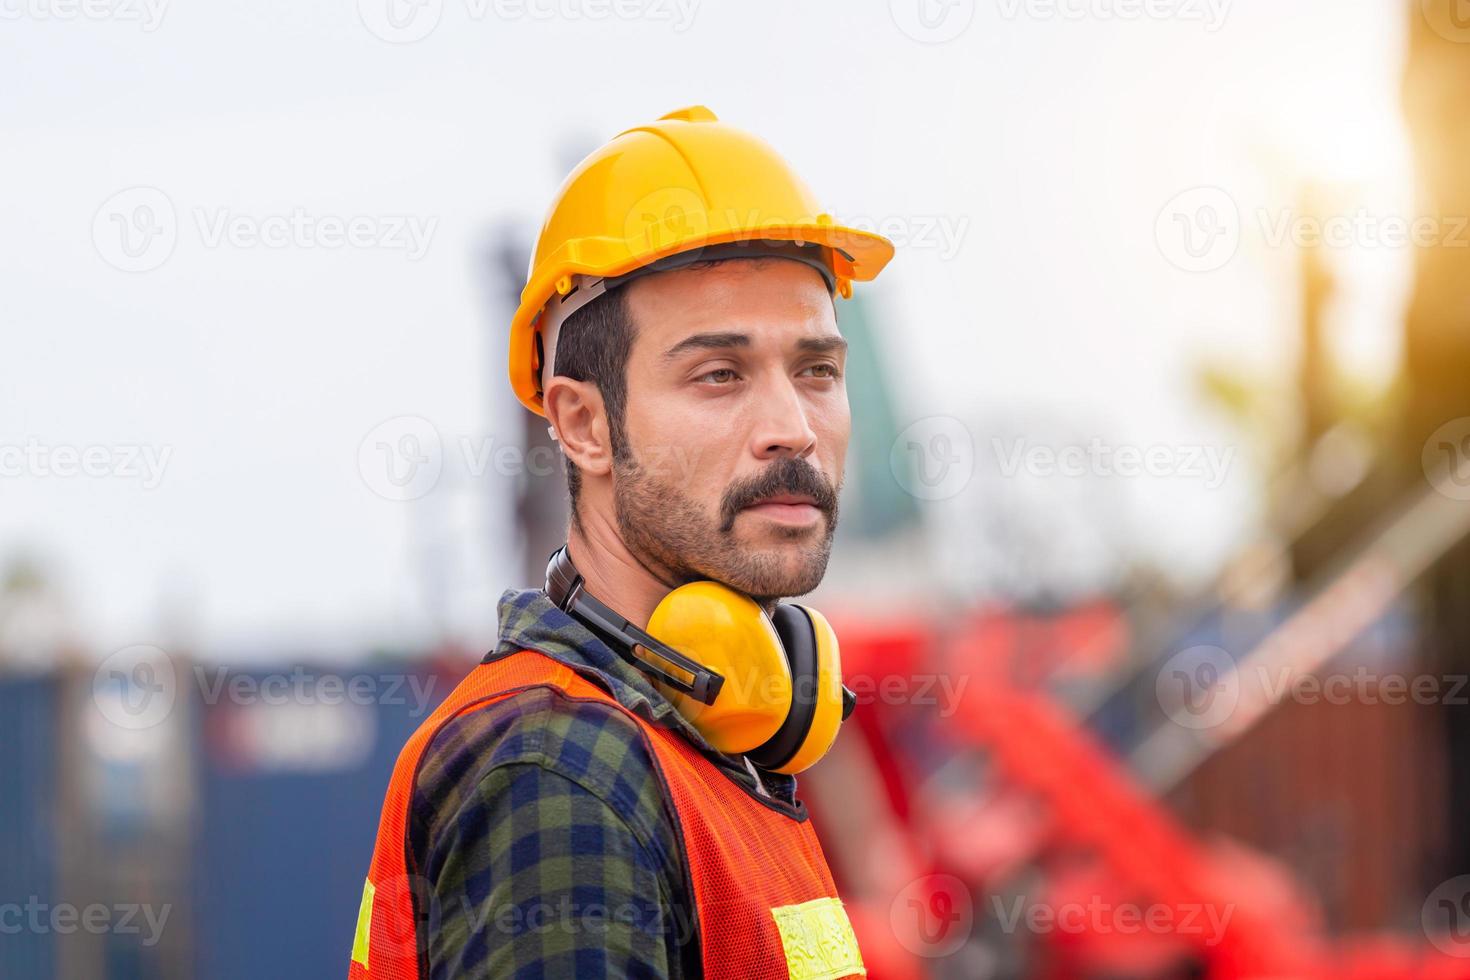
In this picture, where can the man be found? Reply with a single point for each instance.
(593, 800)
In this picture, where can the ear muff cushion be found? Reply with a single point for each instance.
(827, 719)
(798, 638)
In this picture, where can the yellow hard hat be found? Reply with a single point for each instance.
(687, 185)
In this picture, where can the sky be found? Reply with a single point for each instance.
(182, 306)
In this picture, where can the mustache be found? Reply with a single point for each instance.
(787, 475)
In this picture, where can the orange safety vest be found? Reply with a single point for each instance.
(765, 903)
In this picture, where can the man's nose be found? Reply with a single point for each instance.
(783, 429)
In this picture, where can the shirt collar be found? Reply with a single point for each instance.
(531, 621)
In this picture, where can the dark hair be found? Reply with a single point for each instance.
(594, 345)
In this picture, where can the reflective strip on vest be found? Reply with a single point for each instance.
(765, 903)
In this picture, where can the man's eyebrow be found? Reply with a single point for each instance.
(707, 341)
(822, 345)
(728, 339)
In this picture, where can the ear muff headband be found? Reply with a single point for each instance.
(564, 587)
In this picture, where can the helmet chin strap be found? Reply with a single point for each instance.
(584, 290)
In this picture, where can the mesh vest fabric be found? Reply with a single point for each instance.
(766, 905)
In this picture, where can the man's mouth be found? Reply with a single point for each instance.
(787, 508)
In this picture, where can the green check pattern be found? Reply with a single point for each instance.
(541, 826)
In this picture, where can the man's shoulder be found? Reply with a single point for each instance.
(595, 743)
(537, 796)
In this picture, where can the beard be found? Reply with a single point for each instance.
(665, 528)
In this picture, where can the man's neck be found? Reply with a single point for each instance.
(611, 572)
(614, 575)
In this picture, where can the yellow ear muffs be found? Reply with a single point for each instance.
(766, 687)
(782, 698)
(727, 632)
(818, 705)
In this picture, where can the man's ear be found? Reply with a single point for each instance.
(579, 419)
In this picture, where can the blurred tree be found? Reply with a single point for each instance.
(34, 618)
(880, 505)
(541, 504)
(1436, 100)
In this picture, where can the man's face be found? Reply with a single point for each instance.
(736, 425)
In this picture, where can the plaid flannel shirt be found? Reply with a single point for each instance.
(542, 827)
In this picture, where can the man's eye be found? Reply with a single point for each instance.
(719, 376)
(824, 370)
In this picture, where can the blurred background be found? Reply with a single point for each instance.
(1152, 577)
